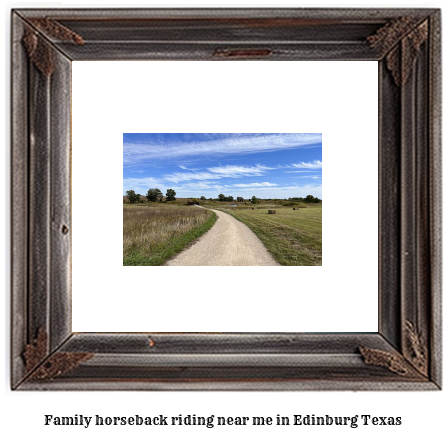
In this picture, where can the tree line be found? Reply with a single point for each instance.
(223, 198)
(152, 195)
(309, 199)
(156, 195)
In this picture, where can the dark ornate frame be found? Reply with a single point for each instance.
(406, 352)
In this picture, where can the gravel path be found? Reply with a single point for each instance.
(228, 243)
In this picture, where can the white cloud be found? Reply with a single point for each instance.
(247, 192)
(283, 192)
(186, 168)
(238, 171)
(214, 144)
(217, 173)
(301, 171)
(180, 177)
(141, 185)
(264, 184)
(201, 185)
(309, 176)
(316, 164)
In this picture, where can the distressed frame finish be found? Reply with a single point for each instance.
(406, 352)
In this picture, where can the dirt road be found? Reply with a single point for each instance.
(228, 243)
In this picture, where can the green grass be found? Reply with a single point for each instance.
(293, 237)
(152, 234)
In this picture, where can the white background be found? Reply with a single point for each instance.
(22, 414)
(110, 98)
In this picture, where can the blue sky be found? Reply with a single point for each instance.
(194, 165)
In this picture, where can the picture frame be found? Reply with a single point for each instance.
(405, 353)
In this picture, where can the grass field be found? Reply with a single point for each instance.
(293, 237)
(153, 233)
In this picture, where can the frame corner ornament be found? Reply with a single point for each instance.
(59, 364)
(400, 39)
(416, 348)
(36, 351)
(396, 363)
(40, 366)
(39, 49)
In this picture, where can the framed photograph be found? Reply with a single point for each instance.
(260, 165)
(205, 170)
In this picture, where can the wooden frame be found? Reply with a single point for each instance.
(406, 352)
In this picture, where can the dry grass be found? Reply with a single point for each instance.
(293, 237)
(151, 233)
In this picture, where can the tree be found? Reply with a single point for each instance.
(170, 195)
(240, 199)
(132, 196)
(309, 198)
(202, 198)
(153, 195)
(230, 199)
(138, 198)
(221, 197)
(254, 200)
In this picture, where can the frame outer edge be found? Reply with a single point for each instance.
(25, 317)
(238, 386)
(435, 139)
(19, 199)
(253, 12)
